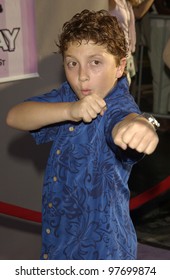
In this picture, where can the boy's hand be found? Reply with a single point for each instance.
(87, 108)
(137, 133)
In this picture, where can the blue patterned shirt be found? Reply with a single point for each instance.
(85, 205)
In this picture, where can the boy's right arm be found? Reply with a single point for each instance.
(32, 115)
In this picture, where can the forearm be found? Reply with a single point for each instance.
(126, 120)
(141, 9)
(112, 5)
(129, 119)
(34, 115)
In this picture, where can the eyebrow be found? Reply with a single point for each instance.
(91, 56)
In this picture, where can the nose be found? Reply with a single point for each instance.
(83, 74)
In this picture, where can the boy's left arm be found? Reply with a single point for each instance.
(136, 132)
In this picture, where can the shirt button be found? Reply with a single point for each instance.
(45, 256)
(48, 231)
(58, 152)
(71, 128)
(50, 205)
(54, 178)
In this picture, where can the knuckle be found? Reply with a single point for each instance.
(117, 141)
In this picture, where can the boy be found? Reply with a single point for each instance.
(98, 133)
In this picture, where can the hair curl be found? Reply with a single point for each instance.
(100, 27)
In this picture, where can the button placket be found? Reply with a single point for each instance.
(50, 205)
(58, 152)
(48, 231)
(71, 128)
(45, 256)
(55, 178)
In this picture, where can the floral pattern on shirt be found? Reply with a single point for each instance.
(85, 201)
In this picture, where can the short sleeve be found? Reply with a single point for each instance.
(48, 133)
(117, 111)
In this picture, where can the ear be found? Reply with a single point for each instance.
(121, 68)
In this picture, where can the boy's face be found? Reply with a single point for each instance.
(91, 69)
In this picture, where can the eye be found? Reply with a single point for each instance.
(95, 62)
(71, 64)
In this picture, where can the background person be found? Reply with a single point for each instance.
(127, 11)
(160, 33)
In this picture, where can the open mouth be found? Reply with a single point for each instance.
(85, 91)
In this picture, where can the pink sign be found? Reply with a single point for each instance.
(18, 57)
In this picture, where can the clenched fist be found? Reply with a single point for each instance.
(137, 133)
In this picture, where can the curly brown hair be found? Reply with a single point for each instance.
(100, 27)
